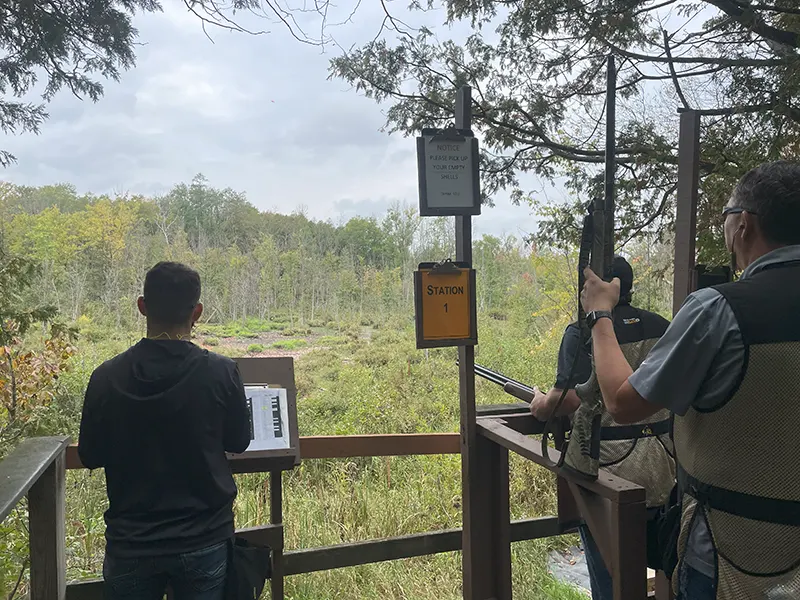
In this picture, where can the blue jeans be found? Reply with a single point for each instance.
(198, 575)
(599, 577)
(694, 585)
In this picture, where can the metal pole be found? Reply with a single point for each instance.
(611, 163)
(472, 568)
(686, 210)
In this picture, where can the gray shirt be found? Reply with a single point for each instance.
(697, 363)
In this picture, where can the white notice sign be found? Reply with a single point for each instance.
(269, 420)
(448, 173)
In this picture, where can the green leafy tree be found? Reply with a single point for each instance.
(26, 376)
(537, 69)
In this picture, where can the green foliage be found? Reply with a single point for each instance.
(289, 344)
(17, 274)
(293, 331)
(211, 341)
(27, 372)
(255, 348)
(331, 340)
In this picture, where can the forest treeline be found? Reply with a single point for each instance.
(93, 252)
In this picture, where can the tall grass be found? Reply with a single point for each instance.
(380, 385)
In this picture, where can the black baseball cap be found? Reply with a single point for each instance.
(621, 268)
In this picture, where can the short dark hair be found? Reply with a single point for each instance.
(772, 192)
(171, 293)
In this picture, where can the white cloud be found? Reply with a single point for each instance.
(194, 88)
(255, 113)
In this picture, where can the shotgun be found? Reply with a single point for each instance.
(510, 386)
(558, 426)
(582, 455)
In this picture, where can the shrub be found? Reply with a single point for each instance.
(255, 348)
(289, 344)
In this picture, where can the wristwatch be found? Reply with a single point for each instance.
(594, 316)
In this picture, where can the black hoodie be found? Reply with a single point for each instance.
(159, 418)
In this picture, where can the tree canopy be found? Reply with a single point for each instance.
(537, 69)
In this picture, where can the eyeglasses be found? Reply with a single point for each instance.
(732, 210)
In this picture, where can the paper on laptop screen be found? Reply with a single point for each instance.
(269, 420)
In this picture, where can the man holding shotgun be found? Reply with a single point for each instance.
(637, 453)
(727, 368)
(640, 453)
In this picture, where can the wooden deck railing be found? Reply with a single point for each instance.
(37, 467)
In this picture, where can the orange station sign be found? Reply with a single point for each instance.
(445, 305)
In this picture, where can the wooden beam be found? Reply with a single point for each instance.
(20, 470)
(493, 468)
(47, 532)
(397, 444)
(490, 410)
(595, 511)
(686, 209)
(606, 485)
(85, 589)
(345, 446)
(407, 546)
(628, 569)
(661, 586)
(358, 553)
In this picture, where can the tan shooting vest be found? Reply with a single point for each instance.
(739, 462)
(642, 452)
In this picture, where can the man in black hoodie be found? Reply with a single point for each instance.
(159, 418)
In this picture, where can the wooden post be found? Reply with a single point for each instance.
(276, 518)
(500, 522)
(663, 589)
(686, 210)
(492, 534)
(628, 556)
(47, 521)
(472, 509)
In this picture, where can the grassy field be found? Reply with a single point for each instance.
(353, 379)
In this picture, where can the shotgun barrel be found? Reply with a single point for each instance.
(510, 386)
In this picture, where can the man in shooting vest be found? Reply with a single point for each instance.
(639, 453)
(728, 368)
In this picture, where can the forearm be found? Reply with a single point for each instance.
(611, 367)
(568, 406)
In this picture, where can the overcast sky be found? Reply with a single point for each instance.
(254, 113)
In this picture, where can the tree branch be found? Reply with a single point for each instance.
(19, 580)
(753, 21)
(699, 60)
(777, 9)
(654, 216)
(674, 75)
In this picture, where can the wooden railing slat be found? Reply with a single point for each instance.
(342, 446)
(47, 527)
(358, 553)
(606, 485)
(20, 470)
